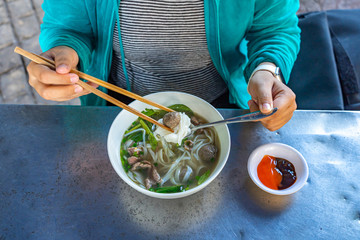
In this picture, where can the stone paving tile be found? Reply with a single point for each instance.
(14, 89)
(7, 36)
(20, 8)
(23, 98)
(26, 27)
(31, 45)
(38, 3)
(3, 14)
(39, 11)
(12, 60)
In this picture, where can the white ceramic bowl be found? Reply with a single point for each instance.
(281, 151)
(123, 121)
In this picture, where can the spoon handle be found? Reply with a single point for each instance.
(248, 117)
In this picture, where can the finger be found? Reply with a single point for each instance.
(279, 119)
(261, 88)
(264, 98)
(65, 60)
(59, 92)
(285, 99)
(94, 85)
(253, 106)
(48, 76)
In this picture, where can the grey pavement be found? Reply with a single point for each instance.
(20, 26)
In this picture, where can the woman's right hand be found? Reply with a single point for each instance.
(59, 84)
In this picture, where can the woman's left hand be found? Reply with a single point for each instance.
(267, 92)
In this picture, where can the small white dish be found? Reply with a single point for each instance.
(279, 150)
(124, 119)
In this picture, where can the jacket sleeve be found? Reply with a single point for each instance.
(274, 36)
(66, 23)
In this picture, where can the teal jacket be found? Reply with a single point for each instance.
(240, 35)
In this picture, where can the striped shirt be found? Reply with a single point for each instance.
(165, 49)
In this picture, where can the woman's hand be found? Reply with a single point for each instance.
(267, 92)
(59, 84)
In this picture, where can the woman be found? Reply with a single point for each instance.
(205, 48)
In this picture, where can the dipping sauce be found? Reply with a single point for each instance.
(276, 173)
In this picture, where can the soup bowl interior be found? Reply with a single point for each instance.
(202, 108)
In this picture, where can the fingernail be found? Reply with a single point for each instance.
(78, 89)
(74, 78)
(62, 68)
(266, 107)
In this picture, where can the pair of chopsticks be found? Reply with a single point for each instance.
(51, 64)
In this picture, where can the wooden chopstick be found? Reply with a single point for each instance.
(100, 82)
(51, 64)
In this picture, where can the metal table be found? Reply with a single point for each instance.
(56, 182)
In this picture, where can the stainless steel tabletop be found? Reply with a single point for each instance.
(56, 182)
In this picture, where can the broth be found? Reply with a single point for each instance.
(180, 167)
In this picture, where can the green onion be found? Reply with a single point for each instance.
(134, 128)
(171, 189)
(152, 139)
(203, 177)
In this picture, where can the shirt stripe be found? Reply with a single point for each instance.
(165, 49)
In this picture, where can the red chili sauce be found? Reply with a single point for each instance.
(276, 173)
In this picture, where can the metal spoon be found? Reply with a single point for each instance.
(248, 117)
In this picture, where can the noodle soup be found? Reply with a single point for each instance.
(166, 164)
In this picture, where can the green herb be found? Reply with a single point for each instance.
(149, 112)
(125, 164)
(136, 137)
(152, 139)
(154, 113)
(212, 159)
(203, 177)
(155, 164)
(136, 126)
(182, 108)
(171, 189)
(123, 152)
(153, 142)
(182, 143)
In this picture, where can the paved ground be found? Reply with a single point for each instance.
(20, 26)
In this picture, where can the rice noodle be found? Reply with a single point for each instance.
(188, 173)
(137, 178)
(128, 143)
(172, 168)
(137, 130)
(175, 164)
(199, 169)
(177, 174)
(172, 180)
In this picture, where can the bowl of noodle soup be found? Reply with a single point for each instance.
(179, 164)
